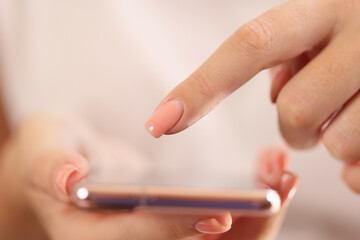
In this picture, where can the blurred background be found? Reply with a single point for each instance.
(111, 62)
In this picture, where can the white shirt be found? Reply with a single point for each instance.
(113, 61)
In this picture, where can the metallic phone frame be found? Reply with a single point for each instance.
(88, 195)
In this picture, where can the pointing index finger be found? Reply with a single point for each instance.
(281, 33)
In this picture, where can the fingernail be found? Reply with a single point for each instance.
(165, 117)
(288, 186)
(74, 178)
(211, 226)
(65, 175)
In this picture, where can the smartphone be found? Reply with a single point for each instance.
(87, 195)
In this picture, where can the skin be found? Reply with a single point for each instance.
(312, 48)
(47, 155)
(314, 76)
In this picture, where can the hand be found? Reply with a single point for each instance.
(313, 50)
(272, 172)
(46, 157)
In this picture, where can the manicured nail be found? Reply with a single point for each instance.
(63, 175)
(74, 178)
(165, 117)
(211, 226)
(288, 186)
(273, 161)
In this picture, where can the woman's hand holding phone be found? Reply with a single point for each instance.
(47, 156)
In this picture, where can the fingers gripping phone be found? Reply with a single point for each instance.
(89, 195)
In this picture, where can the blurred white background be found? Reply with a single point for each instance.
(113, 61)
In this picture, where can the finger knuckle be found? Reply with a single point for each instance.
(255, 36)
(201, 82)
(341, 145)
(293, 112)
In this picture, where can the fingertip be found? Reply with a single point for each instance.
(272, 159)
(351, 176)
(74, 178)
(273, 172)
(73, 170)
(214, 225)
(151, 129)
(165, 117)
(63, 174)
(288, 186)
(225, 220)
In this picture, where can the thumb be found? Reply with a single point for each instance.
(170, 227)
(56, 171)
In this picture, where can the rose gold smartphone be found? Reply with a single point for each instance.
(88, 195)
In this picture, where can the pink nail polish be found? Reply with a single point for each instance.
(63, 175)
(74, 178)
(165, 117)
(288, 187)
(211, 226)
